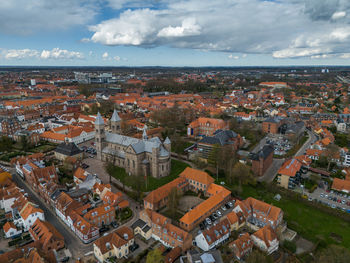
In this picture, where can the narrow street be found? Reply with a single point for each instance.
(73, 243)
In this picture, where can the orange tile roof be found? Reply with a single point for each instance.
(9, 225)
(341, 185)
(160, 193)
(30, 209)
(114, 239)
(271, 212)
(290, 167)
(266, 234)
(197, 175)
(53, 136)
(232, 217)
(203, 208)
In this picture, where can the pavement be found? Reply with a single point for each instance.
(312, 139)
(271, 173)
(316, 196)
(72, 242)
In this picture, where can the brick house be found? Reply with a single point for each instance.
(262, 160)
(47, 235)
(272, 125)
(205, 126)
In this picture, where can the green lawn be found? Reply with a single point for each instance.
(43, 148)
(153, 183)
(308, 221)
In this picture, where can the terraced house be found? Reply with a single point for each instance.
(137, 156)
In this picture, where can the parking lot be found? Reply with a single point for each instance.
(280, 144)
(220, 212)
(331, 199)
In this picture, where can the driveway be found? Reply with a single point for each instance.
(271, 173)
(312, 139)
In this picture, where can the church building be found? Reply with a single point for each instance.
(138, 156)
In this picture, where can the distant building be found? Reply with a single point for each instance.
(205, 127)
(262, 160)
(10, 126)
(221, 138)
(272, 125)
(65, 150)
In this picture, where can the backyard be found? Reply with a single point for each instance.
(152, 183)
(308, 221)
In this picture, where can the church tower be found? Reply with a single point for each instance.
(115, 123)
(99, 135)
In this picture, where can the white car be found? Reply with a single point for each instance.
(223, 208)
(218, 213)
(208, 221)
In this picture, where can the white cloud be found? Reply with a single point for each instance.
(284, 29)
(28, 16)
(187, 28)
(116, 58)
(105, 56)
(20, 53)
(233, 57)
(55, 53)
(338, 15)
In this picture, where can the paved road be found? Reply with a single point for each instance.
(73, 243)
(271, 173)
(312, 139)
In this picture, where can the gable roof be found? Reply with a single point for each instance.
(197, 175)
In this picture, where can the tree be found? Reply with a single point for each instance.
(333, 254)
(173, 201)
(24, 143)
(331, 152)
(155, 256)
(242, 173)
(85, 89)
(5, 144)
(258, 257)
(213, 158)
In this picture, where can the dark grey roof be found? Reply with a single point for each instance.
(68, 149)
(220, 137)
(273, 120)
(263, 153)
(78, 192)
(139, 223)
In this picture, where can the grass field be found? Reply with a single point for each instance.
(308, 221)
(153, 183)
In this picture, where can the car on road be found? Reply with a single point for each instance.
(133, 247)
(114, 224)
(103, 229)
(215, 216)
(65, 259)
(85, 166)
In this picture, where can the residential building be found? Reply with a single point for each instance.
(193, 256)
(288, 173)
(115, 244)
(137, 156)
(10, 126)
(341, 185)
(68, 149)
(158, 198)
(214, 236)
(242, 246)
(47, 235)
(165, 232)
(205, 127)
(262, 160)
(28, 215)
(258, 213)
(265, 239)
(10, 230)
(272, 125)
(101, 216)
(197, 179)
(141, 228)
(221, 138)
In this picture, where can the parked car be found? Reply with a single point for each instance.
(223, 208)
(133, 247)
(103, 229)
(219, 213)
(215, 216)
(114, 224)
(208, 221)
(65, 259)
(227, 206)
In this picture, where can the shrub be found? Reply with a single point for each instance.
(290, 245)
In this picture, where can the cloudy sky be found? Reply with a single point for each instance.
(174, 33)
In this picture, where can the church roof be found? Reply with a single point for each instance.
(99, 119)
(115, 116)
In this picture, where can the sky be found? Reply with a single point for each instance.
(174, 33)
